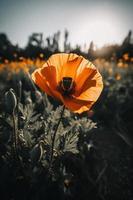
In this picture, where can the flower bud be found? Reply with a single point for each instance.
(36, 153)
(38, 96)
(28, 100)
(10, 101)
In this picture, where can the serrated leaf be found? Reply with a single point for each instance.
(34, 118)
(71, 141)
(36, 153)
(28, 138)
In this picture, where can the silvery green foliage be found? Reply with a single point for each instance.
(35, 130)
(36, 122)
(10, 101)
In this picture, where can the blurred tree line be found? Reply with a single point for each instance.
(37, 46)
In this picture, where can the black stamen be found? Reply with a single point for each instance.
(67, 86)
(67, 83)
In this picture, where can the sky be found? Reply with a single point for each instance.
(100, 21)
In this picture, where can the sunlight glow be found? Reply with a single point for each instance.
(99, 29)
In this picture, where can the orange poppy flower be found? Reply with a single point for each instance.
(71, 79)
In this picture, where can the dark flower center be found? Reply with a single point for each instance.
(66, 86)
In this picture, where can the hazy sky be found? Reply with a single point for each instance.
(103, 21)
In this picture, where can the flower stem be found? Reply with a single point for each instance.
(53, 139)
(14, 136)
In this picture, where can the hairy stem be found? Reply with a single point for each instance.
(18, 102)
(54, 136)
(32, 83)
(14, 136)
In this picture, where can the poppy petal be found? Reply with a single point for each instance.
(42, 83)
(66, 65)
(86, 70)
(77, 106)
(92, 88)
(49, 73)
(69, 69)
(57, 60)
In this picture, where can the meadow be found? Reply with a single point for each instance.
(91, 155)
